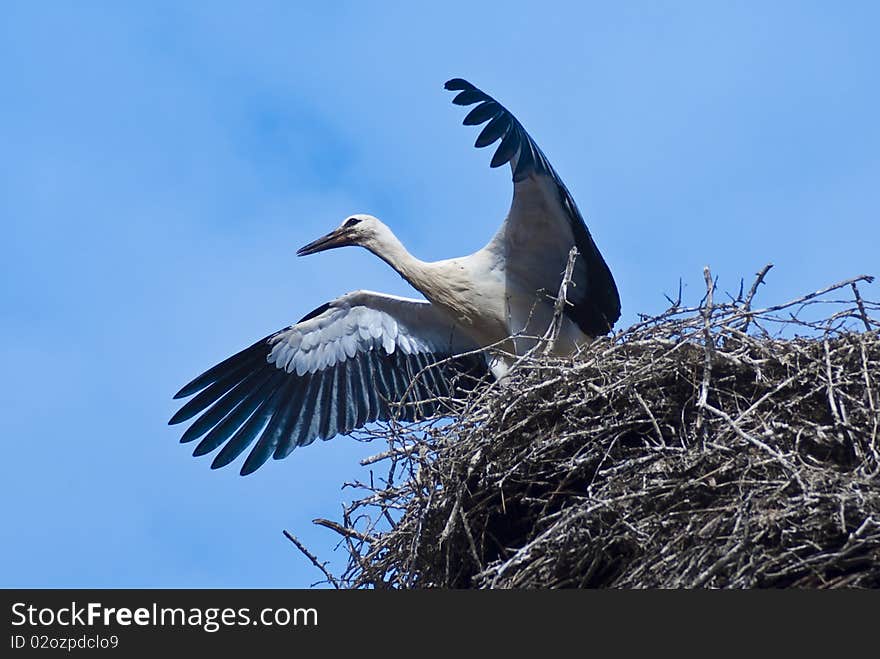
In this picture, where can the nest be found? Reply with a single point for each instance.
(711, 446)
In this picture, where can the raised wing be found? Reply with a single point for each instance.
(544, 221)
(345, 364)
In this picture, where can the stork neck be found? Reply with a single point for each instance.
(405, 264)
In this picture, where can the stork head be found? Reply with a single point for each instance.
(359, 229)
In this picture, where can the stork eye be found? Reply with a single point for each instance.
(350, 222)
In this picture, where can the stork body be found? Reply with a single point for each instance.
(491, 297)
(346, 363)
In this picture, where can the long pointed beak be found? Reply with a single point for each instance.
(337, 238)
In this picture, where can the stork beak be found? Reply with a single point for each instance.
(337, 238)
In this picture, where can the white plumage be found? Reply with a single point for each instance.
(348, 362)
(363, 321)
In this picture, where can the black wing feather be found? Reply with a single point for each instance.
(239, 414)
(361, 403)
(495, 129)
(224, 405)
(368, 376)
(310, 425)
(247, 432)
(507, 149)
(274, 430)
(329, 406)
(214, 391)
(481, 113)
(469, 97)
(289, 434)
(215, 372)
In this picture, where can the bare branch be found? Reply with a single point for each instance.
(318, 564)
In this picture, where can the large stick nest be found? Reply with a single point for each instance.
(715, 446)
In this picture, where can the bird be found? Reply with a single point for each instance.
(351, 360)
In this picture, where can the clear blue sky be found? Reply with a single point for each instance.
(161, 163)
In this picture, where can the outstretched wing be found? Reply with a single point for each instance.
(543, 222)
(347, 363)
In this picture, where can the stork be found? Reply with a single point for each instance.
(346, 363)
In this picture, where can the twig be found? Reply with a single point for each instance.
(396, 452)
(555, 328)
(344, 531)
(747, 304)
(676, 303)
(321, 566)
(650, 414)
(708, 345)
(814, 294)
(861, 306)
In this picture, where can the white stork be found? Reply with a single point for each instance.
(347, 362)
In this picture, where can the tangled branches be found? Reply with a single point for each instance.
(715, 446)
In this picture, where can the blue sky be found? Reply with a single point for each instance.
(161, 163)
